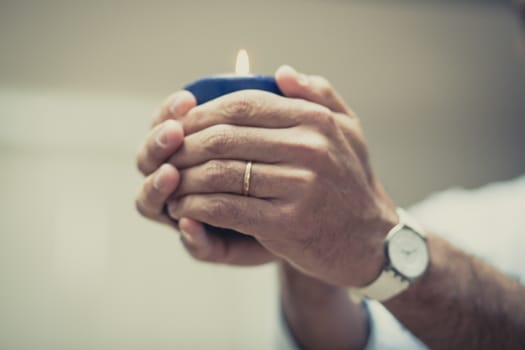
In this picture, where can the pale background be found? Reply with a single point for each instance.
(439, 87)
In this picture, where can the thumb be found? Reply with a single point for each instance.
(312, 88)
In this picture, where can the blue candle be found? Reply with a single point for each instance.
(208, 88)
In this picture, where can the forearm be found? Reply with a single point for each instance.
(462, 303)
(321, 316)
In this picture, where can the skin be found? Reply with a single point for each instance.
(319, 314)
(305, 156)
(311, 171)
(462, 303)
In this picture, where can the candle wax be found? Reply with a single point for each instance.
(207, 89)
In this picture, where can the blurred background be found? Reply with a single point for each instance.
(439, 86)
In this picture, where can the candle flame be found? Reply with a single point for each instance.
(242, 67)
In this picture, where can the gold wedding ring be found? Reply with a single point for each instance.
(247, 177)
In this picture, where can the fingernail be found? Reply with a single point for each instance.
(302, 79)
(158, 180)
(172, 206)
(174, 105)
(187, 237)
(162, 137)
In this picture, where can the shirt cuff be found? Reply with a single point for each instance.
(386, 333)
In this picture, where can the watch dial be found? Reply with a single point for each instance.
(408, 253)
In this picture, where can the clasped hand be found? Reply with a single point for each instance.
(313, 201)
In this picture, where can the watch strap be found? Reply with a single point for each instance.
(386, 286)
(408, 221)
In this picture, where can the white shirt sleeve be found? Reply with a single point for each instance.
(488, 222)
(386, 333)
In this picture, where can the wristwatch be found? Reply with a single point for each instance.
(407, 258)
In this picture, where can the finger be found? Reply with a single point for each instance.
(160, 143)
(311, 88)
(221, 248)
(155, 191)
(253, 108)
(317, 89)
(174, 107)
(248, 215)
(227, 176)
(232, 142)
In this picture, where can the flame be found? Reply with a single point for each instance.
(242, 67)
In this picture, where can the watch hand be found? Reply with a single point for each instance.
(408, 251)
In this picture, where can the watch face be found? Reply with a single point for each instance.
(408, 253)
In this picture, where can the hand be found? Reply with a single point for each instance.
(163, 178)
(313, 198)
(165, 136)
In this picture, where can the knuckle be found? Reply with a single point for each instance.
(319, 114)
(214, 172)
(241, 105)
(330, 124)
(216, 207)
(324, 87)
(198, 113)
(149, 156)
(324, 120)
(141, 166)
(217, 175)
(140, 161)
(141, 207)
(307, 178)
(314, 146)
(321, 155)
(219, 140)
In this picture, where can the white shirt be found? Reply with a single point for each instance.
(488, 222)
